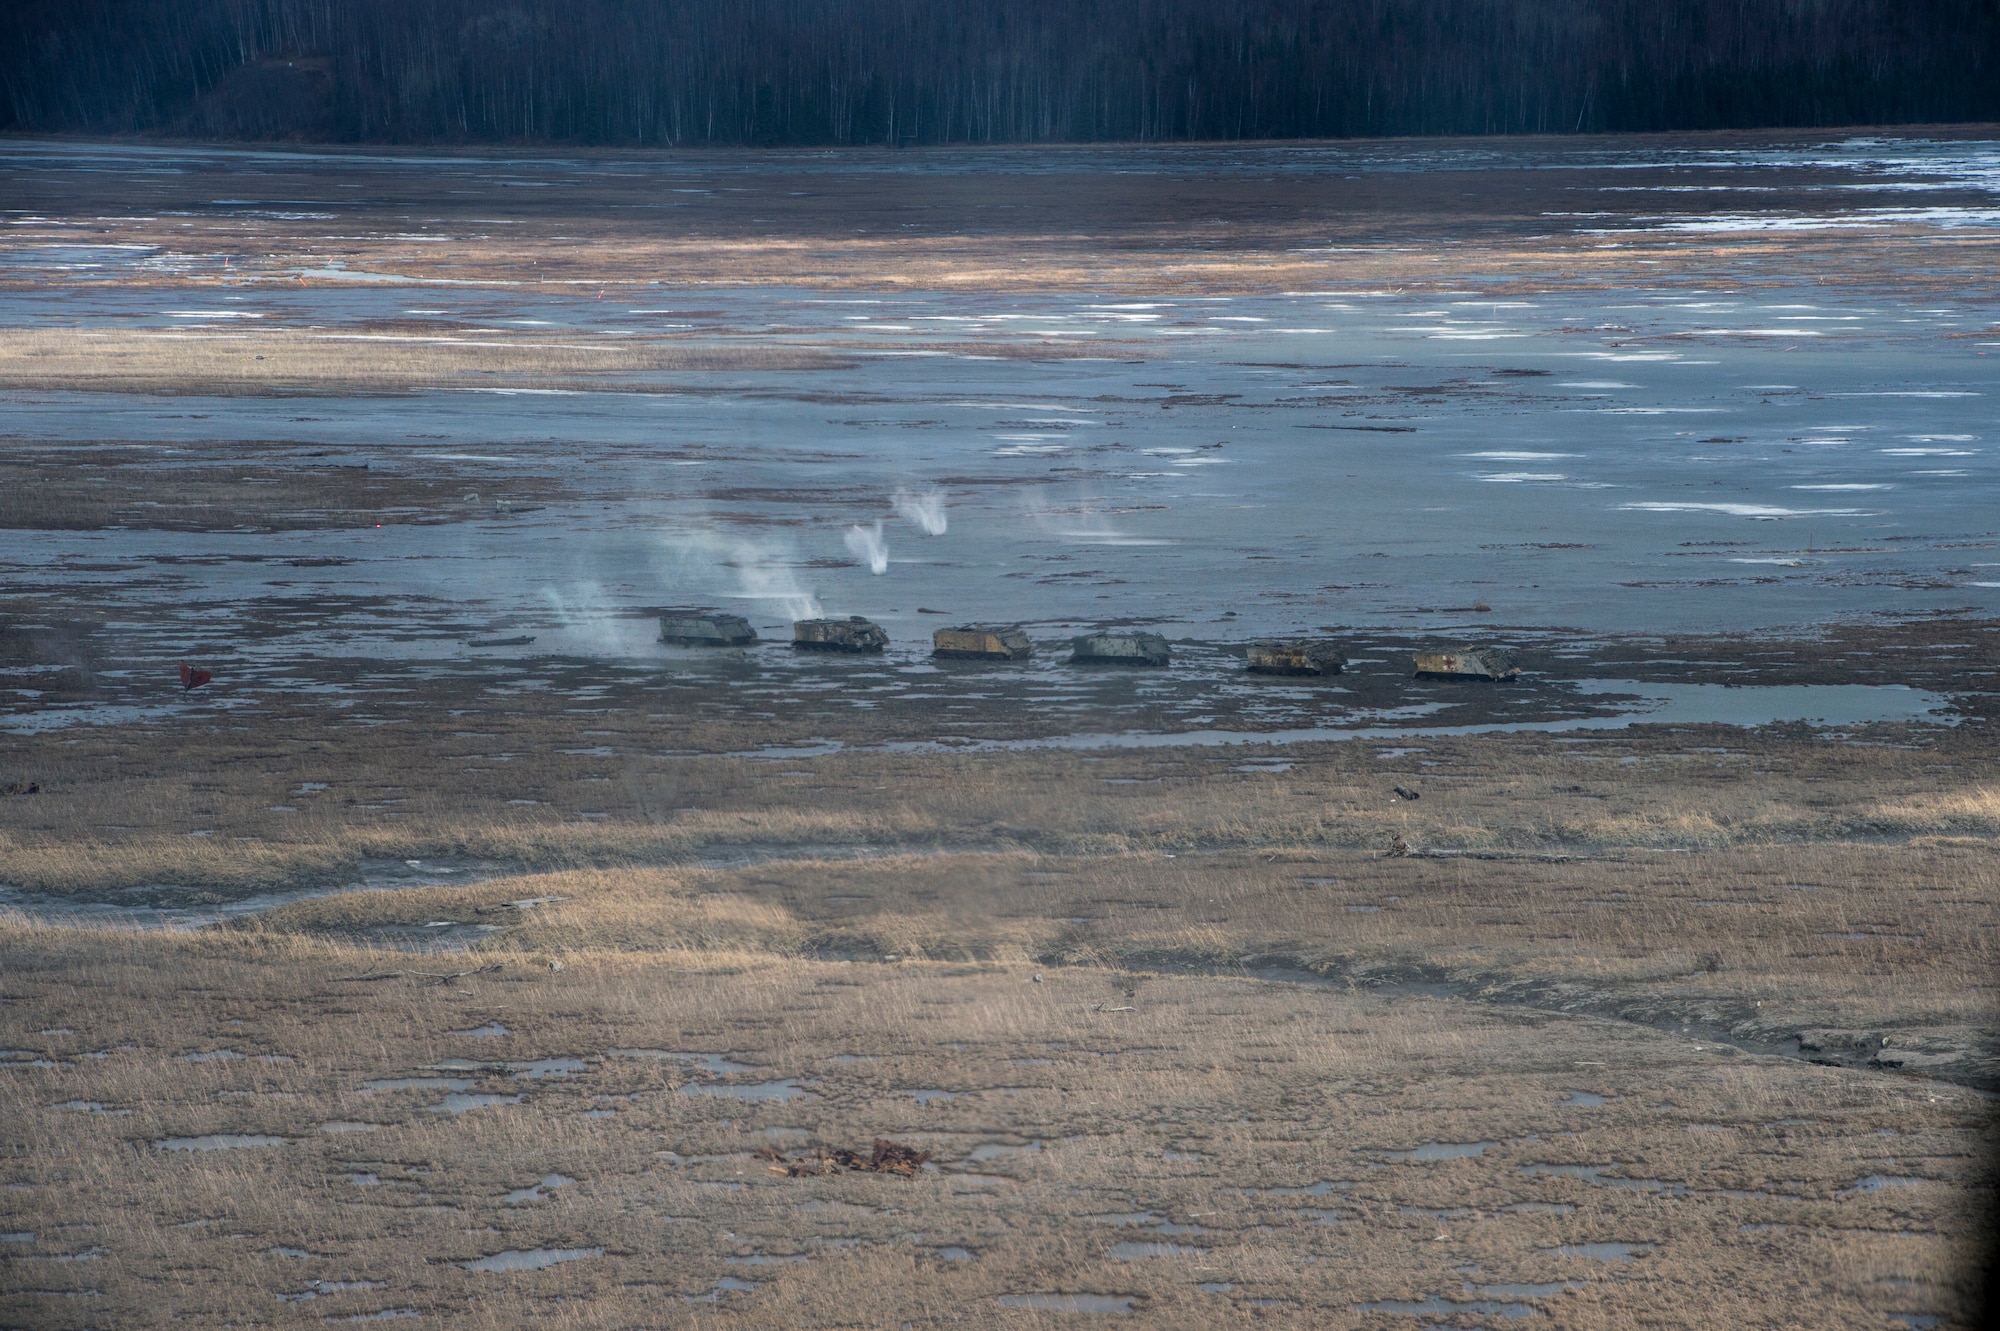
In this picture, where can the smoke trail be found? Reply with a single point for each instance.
(1080, 522)
(711, 563)
(925, 509)
(589, 621)
(866, 543)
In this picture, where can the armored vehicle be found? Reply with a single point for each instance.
(853, 634)
(1296, 656)
(982, 642)
(1137, 649)
(1469, 663)
(704, 628)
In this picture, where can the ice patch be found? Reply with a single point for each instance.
(1760, 511)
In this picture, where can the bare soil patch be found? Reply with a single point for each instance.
(244, 487)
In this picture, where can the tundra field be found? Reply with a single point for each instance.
(461, 954)
(1644, 1027)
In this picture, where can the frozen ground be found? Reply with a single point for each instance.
(1742, 453)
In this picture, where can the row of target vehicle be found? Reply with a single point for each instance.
(1008, 642)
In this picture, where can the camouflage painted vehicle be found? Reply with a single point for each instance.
(1133, 649)
(982, 642)
(1296, 656)
(705, 628)
(853, 634)
(1469, 663)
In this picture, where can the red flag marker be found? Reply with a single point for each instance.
(192, 678)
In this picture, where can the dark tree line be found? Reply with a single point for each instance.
(983, 71)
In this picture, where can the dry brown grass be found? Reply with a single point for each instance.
(1642, 877)
(1092, 1108)
(230, 804)
(304, 361)
(1753, 945)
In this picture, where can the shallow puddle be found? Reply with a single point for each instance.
(763, 1090)
(385, 1315)
(1438, 1306)
(415, 1084)
(1544, 1291)
(1433, 1151)
(1070, 1303)
(530, 1259)
(719, 1064)
(1877, 1182)
(999, 1151)
(1320, 1189)
(1134, 1250)
(726, 1285)
(547, 1067)
(320, 1288)
(459, 1104)
(537, 1192)
(1596, 1175)
(1600, 1252)
(219, 1141)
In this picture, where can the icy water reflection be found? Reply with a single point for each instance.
(1356, 458)
(1636, 458)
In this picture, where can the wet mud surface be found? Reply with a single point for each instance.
(1686, 419)
(770, 701)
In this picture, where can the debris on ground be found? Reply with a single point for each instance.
(887, 1157)
(192, 679)
(1406, 793)
(21, 788)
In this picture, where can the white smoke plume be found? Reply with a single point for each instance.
(710, 563)
(925, 509)
(867, 545)
(588, 619)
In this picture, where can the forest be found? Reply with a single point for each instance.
(910, 72)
